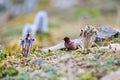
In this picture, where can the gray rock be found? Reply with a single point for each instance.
(106, 32)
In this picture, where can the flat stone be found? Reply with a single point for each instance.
(106, 32)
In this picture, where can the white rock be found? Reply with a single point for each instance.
(114, 47)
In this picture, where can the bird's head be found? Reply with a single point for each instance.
(66, 39)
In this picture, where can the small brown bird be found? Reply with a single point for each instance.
(69, 44)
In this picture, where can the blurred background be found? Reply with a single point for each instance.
(65, 18)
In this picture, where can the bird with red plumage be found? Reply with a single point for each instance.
(69, 44)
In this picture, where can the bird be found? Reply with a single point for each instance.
(69, 44)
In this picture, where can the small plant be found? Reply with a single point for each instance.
(26, 44)
(19, 76)
(2, 55)
(88, 36)
(10, 71)
(111, 62)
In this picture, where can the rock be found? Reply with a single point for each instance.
(106, 32)
(41, 21)
(112, 76)
(114, 47)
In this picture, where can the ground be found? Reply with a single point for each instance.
(89, 64)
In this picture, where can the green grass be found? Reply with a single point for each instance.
(53, 25)
(88, 12)
(13, 31)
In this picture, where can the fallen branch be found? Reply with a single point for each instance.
(78, 42)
